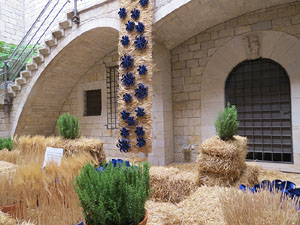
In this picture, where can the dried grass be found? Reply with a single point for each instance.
(263, 208)
(9, 156)
(221, 162)
(170, 184)
(6, 168)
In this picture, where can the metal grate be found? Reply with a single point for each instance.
(260, 90)
(112, 84)
(93, 103)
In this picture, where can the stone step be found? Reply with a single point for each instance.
(31, 66)
(59, 33)
(65, 24)
(45, 51)
(51, 42)
(16, 87)
(39, 59)
(21, 80)
(11, 93)
(26, 74)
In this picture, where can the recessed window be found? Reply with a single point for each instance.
(112, 85)
(92, 103)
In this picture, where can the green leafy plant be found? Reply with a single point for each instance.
(227, 124)
(68, 126)
(114, 196)
(6, 143)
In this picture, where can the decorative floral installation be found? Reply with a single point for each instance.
(127, 61)
(124, 145)
(125, 40)
(140, 27)
(143, 3)
(128, 79)
(122, 13)
(140, 42)
(135, 14)
(127, 98)
(140, 112)
(139, 131)
(141, 142)
(125, 114)
(130, 26)
(142, 70)
(124, 132)
(142, 91)
(130, 121)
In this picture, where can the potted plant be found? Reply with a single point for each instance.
(115, 195)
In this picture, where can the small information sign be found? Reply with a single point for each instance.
(53, 155)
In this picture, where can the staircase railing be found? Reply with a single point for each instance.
(28, 46)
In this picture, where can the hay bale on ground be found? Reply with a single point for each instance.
(9, 156)
(221, 162)
(7, 168)
(250, 176)
(171, 185)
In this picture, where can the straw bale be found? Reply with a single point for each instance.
(250, 176)
(170, 184)
(5, 219)
(9, 156)
(6, 168)
(221, 162)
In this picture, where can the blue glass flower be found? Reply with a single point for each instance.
(141, 142)
(143, 3)
(127, 61)
(130, 121)
(130, 26)
(140, 112)
(127, 97)
(122, 13)
(142, 91)
(139, 131)
(135, 14)
(142, 70)
(124, 132)
(125, 114)
(128, 79)
(140, 42)
(124, 145)
(125, 40)
(140, 27)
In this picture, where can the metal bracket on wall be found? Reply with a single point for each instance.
(76, 18)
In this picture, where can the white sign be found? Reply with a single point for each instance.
(53, 155)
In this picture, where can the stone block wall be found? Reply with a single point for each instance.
(190, 58)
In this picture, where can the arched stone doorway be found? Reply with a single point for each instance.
(260, 90)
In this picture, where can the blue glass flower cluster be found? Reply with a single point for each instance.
(141, 142)
(130, 26)
(140, 112)
(135, 14)
(142, 70)
(143, 3)
(139, 131)
(116, 163)
(142, 91)
(127, 61)
(131, 121)
(122, 13)
(286, 187)
(124, 145)
(124, 132)
(140, 42)
(127, 98)
(128, 79)
(125, 40)
(125, 115)
(140, 27)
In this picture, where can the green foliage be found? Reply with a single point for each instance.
(115, 196)
(6, 143)
(227, 123)
(68, 126)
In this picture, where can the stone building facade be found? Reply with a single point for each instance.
(198, 44)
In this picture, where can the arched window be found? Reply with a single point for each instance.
(260, 90)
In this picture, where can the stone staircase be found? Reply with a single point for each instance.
(43, 52)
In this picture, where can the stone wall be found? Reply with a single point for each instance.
(11, 20)
(191, 57)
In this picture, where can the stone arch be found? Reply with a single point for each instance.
(37, 108)
(278, 46)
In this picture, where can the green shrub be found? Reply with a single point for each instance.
(115, 196)
(227, 123)
(68, 126)
(6, 143)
